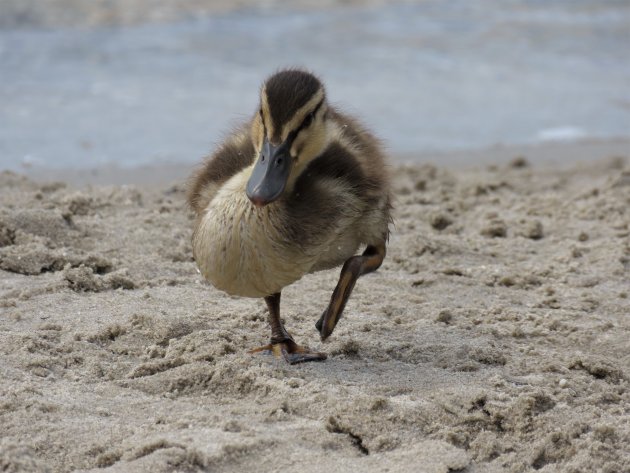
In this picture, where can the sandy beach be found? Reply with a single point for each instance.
(493, 339)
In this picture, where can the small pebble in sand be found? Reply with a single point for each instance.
(440, 221)
(563, 383)
(576, 253)
(495, 229)
(232, 426)
(583, 236)
(445, 317)
(533, 230)
(519, 162)
(420, 185)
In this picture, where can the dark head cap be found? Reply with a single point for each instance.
(287, 91)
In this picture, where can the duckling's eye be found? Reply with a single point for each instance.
(308, 120)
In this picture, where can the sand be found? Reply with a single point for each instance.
(494, 338)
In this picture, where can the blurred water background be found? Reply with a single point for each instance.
(426, 75)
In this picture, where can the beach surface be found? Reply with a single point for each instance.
(494, 338)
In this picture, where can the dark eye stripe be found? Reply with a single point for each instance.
(307, 121)
(293, 134)
(310, 117)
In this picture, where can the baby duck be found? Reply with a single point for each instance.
(297, 189)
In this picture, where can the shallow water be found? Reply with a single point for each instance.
(434, 76)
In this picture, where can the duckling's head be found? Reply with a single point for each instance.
(289, 131)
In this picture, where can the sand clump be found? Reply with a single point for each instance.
(494, 338)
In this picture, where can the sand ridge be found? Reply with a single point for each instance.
(494, 338)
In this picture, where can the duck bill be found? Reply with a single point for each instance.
(270, 174)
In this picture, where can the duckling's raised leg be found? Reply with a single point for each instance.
(282, 344)
(356, 266)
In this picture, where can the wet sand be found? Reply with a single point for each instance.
(494, 338)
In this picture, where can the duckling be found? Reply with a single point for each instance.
(299, 188)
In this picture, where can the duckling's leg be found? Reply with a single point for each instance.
(354, 267)
(282, 344)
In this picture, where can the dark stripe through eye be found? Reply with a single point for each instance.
(310, 117)
(308, 120)
(305, 123)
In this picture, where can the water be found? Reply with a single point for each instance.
(434, 76)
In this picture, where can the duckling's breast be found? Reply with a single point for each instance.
(240, 249)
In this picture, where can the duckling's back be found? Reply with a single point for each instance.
(367, 150)
(342, 199)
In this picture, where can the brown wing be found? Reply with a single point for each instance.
(368, 150)
(349, 193)
(235, 154)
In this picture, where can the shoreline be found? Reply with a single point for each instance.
(553, 154)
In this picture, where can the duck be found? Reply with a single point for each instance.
(300, 187)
